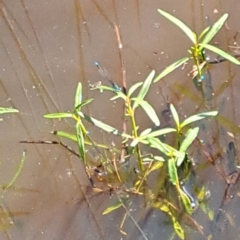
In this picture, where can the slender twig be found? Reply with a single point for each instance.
(124, 83)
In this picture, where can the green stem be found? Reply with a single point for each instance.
(134, 127)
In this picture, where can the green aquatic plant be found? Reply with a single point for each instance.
(200, 43)
(159, 157)
(125, 169)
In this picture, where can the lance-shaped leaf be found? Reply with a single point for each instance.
(214, 29)
(119, 95)
(145, 132)
(144, 89)
(186, 201)
(203, 33)
(159, 158)
(198, 117)
(118, 204)
(175, 116)
(67, 135)
(189, 138)
(172, 171)
(156, 143)
(104, 126)
(84, 103)
(192, 36)
(78, 95)
(134, 87)
(150, 112)
(164, 148)
(171, 68)
(156, 166)
(80, 141)
(112, 208)
(8, 110)
(161, 132)
(134, 142)
(58, 115)
(221, 53)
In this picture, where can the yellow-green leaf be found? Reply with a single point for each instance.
(192, 36)
(170, 68)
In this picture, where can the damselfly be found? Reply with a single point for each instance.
(104, 74)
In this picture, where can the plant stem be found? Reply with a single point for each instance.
(130, 112)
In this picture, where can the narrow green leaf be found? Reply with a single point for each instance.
(143, 140)
(156, 165)
(78, 95)
(213, 30)
(58, 115)
(186, 201)
(202, 34)
(175, 116)
(192, 36)
(146, 85)
(17, 173)
(164, 148)
(176, 153)
(103, 126)
(221, 53)
(69, 136)
(145, 132)
(133, 88)
(156, 143)
(114, 98)
(159, 158)
(8, 110)
(161, 132)
(147, 159)
(144, 89)
(80, 141)
(117, 205)
(189, 138)
(150, 112)
(198, 117)
(180, 159)
(172, 171)
(119, 95)
(171, 68)
(86, 102)
(136, 102)
(134, 142)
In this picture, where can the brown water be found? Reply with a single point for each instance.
(47, 47)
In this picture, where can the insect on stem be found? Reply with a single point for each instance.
(104, 74)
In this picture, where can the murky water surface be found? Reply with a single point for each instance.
(46, 48)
